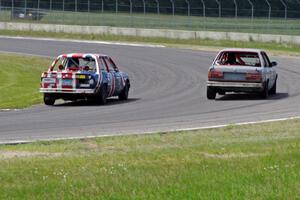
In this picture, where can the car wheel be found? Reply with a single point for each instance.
(273, 89)
(49, 100)
(101, 97)
(210, 93)
(124, 93)
(265, 92)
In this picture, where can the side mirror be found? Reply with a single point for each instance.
(273, 64)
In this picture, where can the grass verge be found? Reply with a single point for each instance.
(286, 49)
(19, 80)
(229, 163)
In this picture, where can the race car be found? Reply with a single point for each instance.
(83, 76)
(242, 70)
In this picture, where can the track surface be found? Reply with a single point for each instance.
(168, 93)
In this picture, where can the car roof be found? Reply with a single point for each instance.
(242, 50)
(81, 55)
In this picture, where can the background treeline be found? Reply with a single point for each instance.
(261, 8)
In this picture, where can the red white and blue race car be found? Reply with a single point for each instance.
(84, 76)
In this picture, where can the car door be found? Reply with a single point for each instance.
(116, 76)
(271, 74)
(107, 76)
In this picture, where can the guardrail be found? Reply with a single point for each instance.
(266, 16)
(174, 34)
(257, 25)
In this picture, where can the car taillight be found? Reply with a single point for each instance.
(254, 76)
(44, 75)
(212, 74)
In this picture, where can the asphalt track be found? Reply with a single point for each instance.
(168, 93)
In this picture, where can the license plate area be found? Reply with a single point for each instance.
(234, 76)
(49, 80)
(67, 82)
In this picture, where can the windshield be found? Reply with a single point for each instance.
(238, 58)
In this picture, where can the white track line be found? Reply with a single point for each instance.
(83, 41)
(152, 132)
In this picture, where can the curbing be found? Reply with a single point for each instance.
(164, 33)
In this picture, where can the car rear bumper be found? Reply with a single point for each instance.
(67, 91)
(234, 84)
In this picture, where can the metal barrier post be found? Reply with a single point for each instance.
(219, 5)
(144, 7)
(102, 6)
(130, 2)
(116, 6)
(252, 9)
(50, 6)
(25, 7)
(38, 9)
(75, 5)
(173, 7)
(270, 9)
(235, 9)
(188, 7)
(157, 4)
(89, 18)
(12, 9)
(203, 4)
(285, 9)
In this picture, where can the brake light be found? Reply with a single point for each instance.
(212, 74)
(254, 76)
(44, 74)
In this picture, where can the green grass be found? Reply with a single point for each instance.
(229, 163)
(19, 80)
(258, 25)
(178, 43)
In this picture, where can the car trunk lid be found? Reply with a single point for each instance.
(236, 73)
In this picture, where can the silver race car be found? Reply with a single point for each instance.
(242, 70)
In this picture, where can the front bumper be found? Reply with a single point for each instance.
(67, 91)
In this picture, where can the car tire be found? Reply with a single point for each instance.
(101, 97)
(273, 89)
(49, 100)
(124, 93)
(210, 93)
(265, 92)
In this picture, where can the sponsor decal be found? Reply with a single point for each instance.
(84, 85)
(49, 80)
(81, 76)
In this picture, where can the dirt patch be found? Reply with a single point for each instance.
(16, 154)
(233, 155)
(90, 144)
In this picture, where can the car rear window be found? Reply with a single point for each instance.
(81, 62)
(238, 58)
